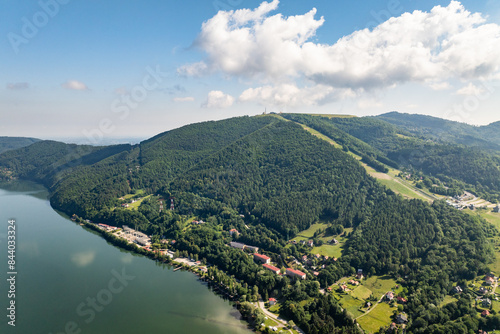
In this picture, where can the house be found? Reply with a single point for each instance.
(252, 248)
(295, 273)
(402, 318)
(368, 304)
(486, 302)
(234, 231)
(304, 258)
(353, 282)
(359, 275)
(272, 268)
(272, 301)
(310, 243)
(238, 245)
(402, 300)
(485, 313)
(389, 295)
(334, 241)
(457, 289)
(261, 258)
(329, 289)
(483, 290)
(343, 287)
(315, 273)
(489, 280)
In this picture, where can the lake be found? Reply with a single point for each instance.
(71, 280)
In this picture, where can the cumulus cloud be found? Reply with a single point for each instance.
(427, 47)
(183, 99)
(18, 86)
(74, 85)
(470, 89)
(293, 96)
(218, 99)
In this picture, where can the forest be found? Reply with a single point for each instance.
(270, 179)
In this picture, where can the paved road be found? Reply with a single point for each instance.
(282, 322)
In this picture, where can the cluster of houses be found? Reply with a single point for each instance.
(197, 222)
(266, 263)
(107, 228)
(135, 236)
(309, 243)
(389, 296)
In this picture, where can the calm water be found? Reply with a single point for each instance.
(67, 280)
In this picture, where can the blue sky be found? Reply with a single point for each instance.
(100, 69)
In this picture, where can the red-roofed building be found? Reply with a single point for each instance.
(272, 301)
(233, 231)
(489, 280)
(261, 258)
(485, 313)
(295, 273)
(272, 268)
(402, 300)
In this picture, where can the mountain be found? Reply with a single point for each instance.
(487, 136)
(11, 143)
(417, 148)
(271, 179)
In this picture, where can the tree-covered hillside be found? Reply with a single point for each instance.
(270, 179)
(11, 143)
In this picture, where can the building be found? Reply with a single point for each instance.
(310, 243)
(238, 245)
(489, 280)
(402, 300)
(234, 231)
(457, 289)
(272, 301)
(359, 275)
(272, 268)
(389, 295)
(402, 318)
(261, 258)
(295, 273)
(144, 241)
(485, 313)
(486, 302)
(252, 248)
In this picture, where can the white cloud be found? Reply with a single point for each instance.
(369, 104)
(183, 99)
(219, 100)
(18, 86)
(74, 85)
(292, 96)
(439, 85)
(427, 47)
(470, 89)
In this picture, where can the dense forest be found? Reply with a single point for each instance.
(11, 143)
(270, 179)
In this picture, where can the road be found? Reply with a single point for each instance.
(282, 322)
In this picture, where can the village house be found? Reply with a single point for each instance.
(486, 302)
(489, 280)
(238, 245)
(272, 268)
(353, 282)
(310, 243)
(402, 318)
(389, 295)
(272, 301)
(457, 289)
(261, 258)
(483, 290)
(295, 273)
(334, 241)
(359, 275)
(234, 231)
(401, 300)
(485, 313)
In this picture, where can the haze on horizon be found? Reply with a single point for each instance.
(119, 70)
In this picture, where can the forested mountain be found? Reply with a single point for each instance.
(474, 168)
(11, 143)
(270, 179)
(487, 136)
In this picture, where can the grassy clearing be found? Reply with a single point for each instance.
(379, 285)
(138, 192)
(361, 292)
(380, 316)
(447, 300)
(135, 205)
(309, 233)
(328, 250)
(352, 305)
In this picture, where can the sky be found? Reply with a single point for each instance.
(132, 69)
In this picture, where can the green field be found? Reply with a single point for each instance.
(361, 292)
(308, 234)
(379, 284)
(352, 305)
(135, 205)
(380, 316)
(328, 250)
(447, 300)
